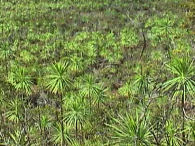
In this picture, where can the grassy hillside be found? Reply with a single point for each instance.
(97, 72)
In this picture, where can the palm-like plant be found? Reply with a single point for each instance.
(172, 134)
(14, 111)
(142, 81)
(57, 82)
(129, 37)
(90, 89)
(182, 81)
(191, 132)
(131, 130)
(143, 84)
(110, 48)
(126, 89)
(45, 121)
(165, 28)
(58, 79)
(75, 114)
(76, 64)
(101, 96)
(21, 80)
(17, 138)
(57, 136)
(45, 124)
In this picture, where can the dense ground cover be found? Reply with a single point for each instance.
(97, 72)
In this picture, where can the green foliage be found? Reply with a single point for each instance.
(165, 29)
(67, 67)
(191, 130)
(131, 130)
(15, 110)
(89, 88)
(76, 64)
(19, 77)
(58, 79)
(76, 111)
(46, 121)
(183, 73)
(5, 51)
(129, 37)
(26, 56)
(143, 81)
(172, 134)
(110, 48)
(57, 135)
(182, 83)
(17, 138)
(126, 89)
(102, 97)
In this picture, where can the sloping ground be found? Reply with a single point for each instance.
(120, 47)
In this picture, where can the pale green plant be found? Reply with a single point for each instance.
(129, 37)
(181, 83)
(131, 130)
(57, 82)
